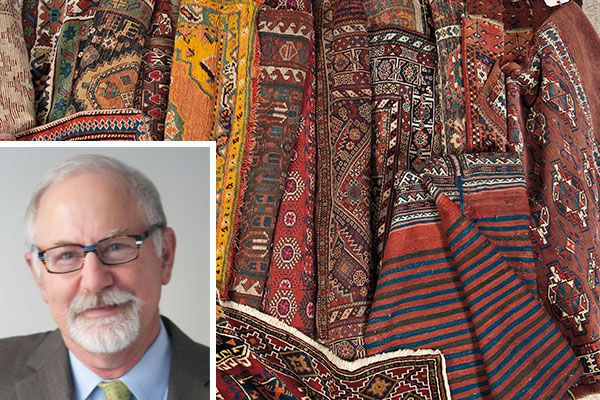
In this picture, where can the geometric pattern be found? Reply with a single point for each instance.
(284, 37)
(447, 19)
(16, 85)
(219, 39)
(458, 274)
(260, 357)
(344, 153)
(484, 84)
(155, 71)
(198, 72)
(553, 111)
(295, 216)
(406, 114)
(127, 124)
(87, 55)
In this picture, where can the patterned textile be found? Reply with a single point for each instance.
(284, 43)
(229, 28)
(343, 216)
(29, 21)
(156, 66)
(483, 47)
(290, 290)
(295, 5)
(554, 110)
(203, 86)
(406, 115)
(405, 14)
(458, 275)
(447, 23)
(87, 55)
(126, 124)
(259, 357)
(16, 87)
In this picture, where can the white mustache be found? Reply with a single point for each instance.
(110, 297)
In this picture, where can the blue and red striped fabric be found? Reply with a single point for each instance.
(458, 275)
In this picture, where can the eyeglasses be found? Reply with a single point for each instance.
(111, 251)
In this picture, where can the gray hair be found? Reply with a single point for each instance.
(143, 190)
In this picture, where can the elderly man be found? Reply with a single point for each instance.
(100, 252)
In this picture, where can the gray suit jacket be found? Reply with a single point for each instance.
(36, 367)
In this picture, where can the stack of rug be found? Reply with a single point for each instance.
(408, 199)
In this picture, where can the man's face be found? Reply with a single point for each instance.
(84, 209)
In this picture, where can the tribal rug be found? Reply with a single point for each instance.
(87, 55)
(155, 71)
(343, 200)
(258, 357)
(554, 115)
(128, 124)
(458, 275)
(406, 115)
(290, 289)
(284, 38)
(219, 39)
(408, 15)
(293, 5)
(447, 25)
(16, 85)
(204, 43)
(483, 48)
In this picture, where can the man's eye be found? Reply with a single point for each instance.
(66, 256)
(116, 246)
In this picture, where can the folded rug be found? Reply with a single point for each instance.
(259, 357)
(458, 275)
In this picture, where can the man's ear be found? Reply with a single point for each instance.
(169, 243)
(36, 272)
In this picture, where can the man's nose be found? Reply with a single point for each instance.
(95, 275)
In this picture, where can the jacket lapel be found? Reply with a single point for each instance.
(50, 371)
(190, 366)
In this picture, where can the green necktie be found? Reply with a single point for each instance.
(115, 390)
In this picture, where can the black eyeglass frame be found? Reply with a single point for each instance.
(139, 239)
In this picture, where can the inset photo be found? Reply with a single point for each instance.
(106, 287)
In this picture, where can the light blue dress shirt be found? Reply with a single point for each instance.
(147, 380)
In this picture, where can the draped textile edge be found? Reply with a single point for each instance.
(226, 241)
(137, 125)
(349, 366)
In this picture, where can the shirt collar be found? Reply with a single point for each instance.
(148, 379)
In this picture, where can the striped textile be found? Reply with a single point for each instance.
(458, 275)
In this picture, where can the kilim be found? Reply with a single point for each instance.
(284, 44)
(259, 357)
(219, 37)
(87, 55)
(343, 216)
(128, 124)
(155, 71)
(406, 115)
(458, 275)
(16, 85)
(290, 289)
(554, 114)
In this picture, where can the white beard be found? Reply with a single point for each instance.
(105, 334)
